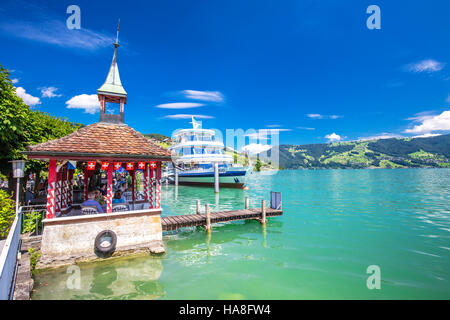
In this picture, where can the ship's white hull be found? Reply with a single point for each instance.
(229, 178)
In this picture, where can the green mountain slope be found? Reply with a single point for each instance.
(383, 153)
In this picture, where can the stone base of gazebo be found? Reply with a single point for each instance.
(69, 240)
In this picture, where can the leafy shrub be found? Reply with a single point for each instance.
(34, 257)
(7, 207)
(32, 221)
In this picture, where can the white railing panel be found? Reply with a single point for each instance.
(8, 259)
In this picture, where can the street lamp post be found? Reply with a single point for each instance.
(18, 172)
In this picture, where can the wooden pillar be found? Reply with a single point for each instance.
(102, 103)
(146, 176)
(133, 185)
(109, 194)
(150, 188)
(175, 171)
(87, 175)
(158, 185)
(86, 183)
(208, 218)
(263, 211)
(58, 192)
(198, 207)
(216, 177)
(51, 189)
(70, 188)
(122, 102)
(247, 203)
(64, 188)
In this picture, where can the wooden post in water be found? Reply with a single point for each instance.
(175, 171)
(263, 211)
(198, 206)
(216, 177)
(247, 203)
(208, 218)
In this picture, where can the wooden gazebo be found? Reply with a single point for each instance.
(107, 145)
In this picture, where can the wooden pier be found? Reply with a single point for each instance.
(193, 220)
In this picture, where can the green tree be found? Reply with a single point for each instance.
(6, 213)
(21, 126)
(258, 165)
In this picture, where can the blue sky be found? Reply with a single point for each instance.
(309, 68)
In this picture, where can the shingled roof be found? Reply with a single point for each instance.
(101, 140)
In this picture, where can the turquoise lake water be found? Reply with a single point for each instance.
(335, 224)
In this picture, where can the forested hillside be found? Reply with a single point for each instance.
(383, 153)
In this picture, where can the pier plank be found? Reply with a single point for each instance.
(192, 220)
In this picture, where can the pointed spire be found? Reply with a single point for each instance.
(117, 37)
(112, 84)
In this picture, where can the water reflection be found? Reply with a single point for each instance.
(123, 278)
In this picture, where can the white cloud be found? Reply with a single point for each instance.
(269, 131)
(179, 105)
(254, 148)
(49, 92)
(262, 134)
(257, 136)
(273, 126)
(213, 96)
(187, 116)
(333, 137)
(27, 98)
(14, 81)
(322, 116)
(448, 99)
(427, 135)
(381, 136)
(55, 31)
(305, 128)
(431, 123)
(428, 65)
(87, 102)
(314, 115)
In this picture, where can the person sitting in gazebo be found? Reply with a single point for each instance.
(91, 200)
(118, 197)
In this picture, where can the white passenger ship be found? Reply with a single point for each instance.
(195, 153)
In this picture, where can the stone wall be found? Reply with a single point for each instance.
(68, 239)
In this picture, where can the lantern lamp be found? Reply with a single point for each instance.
(18, 167)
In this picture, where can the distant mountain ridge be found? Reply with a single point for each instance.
(381, 153)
